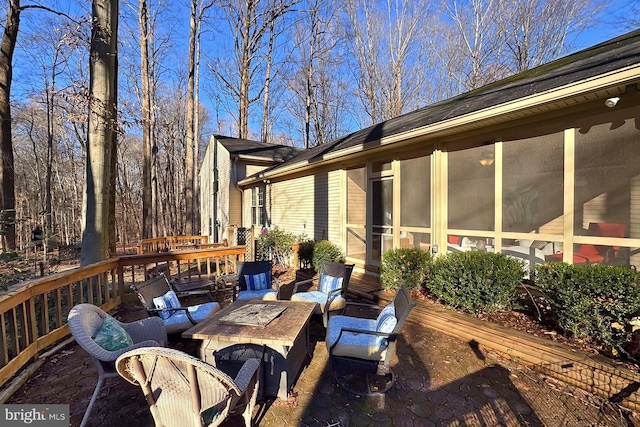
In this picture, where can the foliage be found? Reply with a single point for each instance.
(305, 252)
(595, 301)
(275, 245)
(324, 250)
(476, 281)
(404, 266)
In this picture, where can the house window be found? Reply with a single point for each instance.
(258, 214)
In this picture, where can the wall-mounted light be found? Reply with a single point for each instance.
(612, 102)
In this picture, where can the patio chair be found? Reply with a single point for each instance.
(360, 349)
(105, 339)
(157, 296)
(331, 292)
(255, 281)
(588, 253)
(184, 391)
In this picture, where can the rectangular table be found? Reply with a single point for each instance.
(283, 344)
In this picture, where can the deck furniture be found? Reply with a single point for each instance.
(103, 338)
(255, 281)
(361, 348)
(184, 391)
(240, 331)
(330, 293)
(588, 253)
(159, 299)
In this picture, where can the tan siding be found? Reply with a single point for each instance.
(206, 190)
(309, 205)
(224, 179)
(293, 204)
(253, 169)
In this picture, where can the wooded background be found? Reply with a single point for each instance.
(291, 72)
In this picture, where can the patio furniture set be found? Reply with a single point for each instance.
(254, 347)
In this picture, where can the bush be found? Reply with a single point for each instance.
(595, 301)
(476, 281)
(305, 252)
(404, 266)
(275, 245)
(324, 250)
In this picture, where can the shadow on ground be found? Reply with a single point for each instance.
(440, 381)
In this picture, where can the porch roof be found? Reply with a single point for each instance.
(256, 150)
(600, 71)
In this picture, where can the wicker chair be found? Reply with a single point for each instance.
(184, 391)
(331, 291)
(360, 349)
(84, 322)
(176, 318)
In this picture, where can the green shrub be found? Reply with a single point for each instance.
(404, 266)
(324, 250)
(594, 300)
(276, 245)
(476, 281)
(305, 252)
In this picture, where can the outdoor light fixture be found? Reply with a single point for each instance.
(612, 102)
(487, 158)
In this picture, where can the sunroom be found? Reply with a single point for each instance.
(543, 166)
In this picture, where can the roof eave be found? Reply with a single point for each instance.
(611, 79)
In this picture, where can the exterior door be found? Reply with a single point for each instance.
(381, 190)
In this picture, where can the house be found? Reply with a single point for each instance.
(543, 165)
(227, 161)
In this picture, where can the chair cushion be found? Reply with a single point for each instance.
(358, 345)
(179, 321)
(258, 282)
(328, 283)
(387, 319)
(168, 300)
(337, 302)
(265, 294)
(111, 336)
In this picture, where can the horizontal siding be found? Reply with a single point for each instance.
(293, 205)
(309, 205)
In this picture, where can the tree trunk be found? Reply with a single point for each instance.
(7, 177)
(190, 164)
(98, 232)
(147, 202)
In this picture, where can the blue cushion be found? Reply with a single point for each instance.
(111, 336)
(329, 283)
(197, 312)
(258, 282)
(386, 321)
(389, 310)
(168, 300)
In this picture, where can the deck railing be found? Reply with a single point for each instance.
(166, 244)
(33, 315)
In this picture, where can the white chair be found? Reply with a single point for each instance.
(184, 391)
(90, 324)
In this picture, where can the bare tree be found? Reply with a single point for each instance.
(248, 21)
(98, 233)
(147, 120)
(537, 31)
(7, 178)
(385, 45)
(318, 79)
(198, 10)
